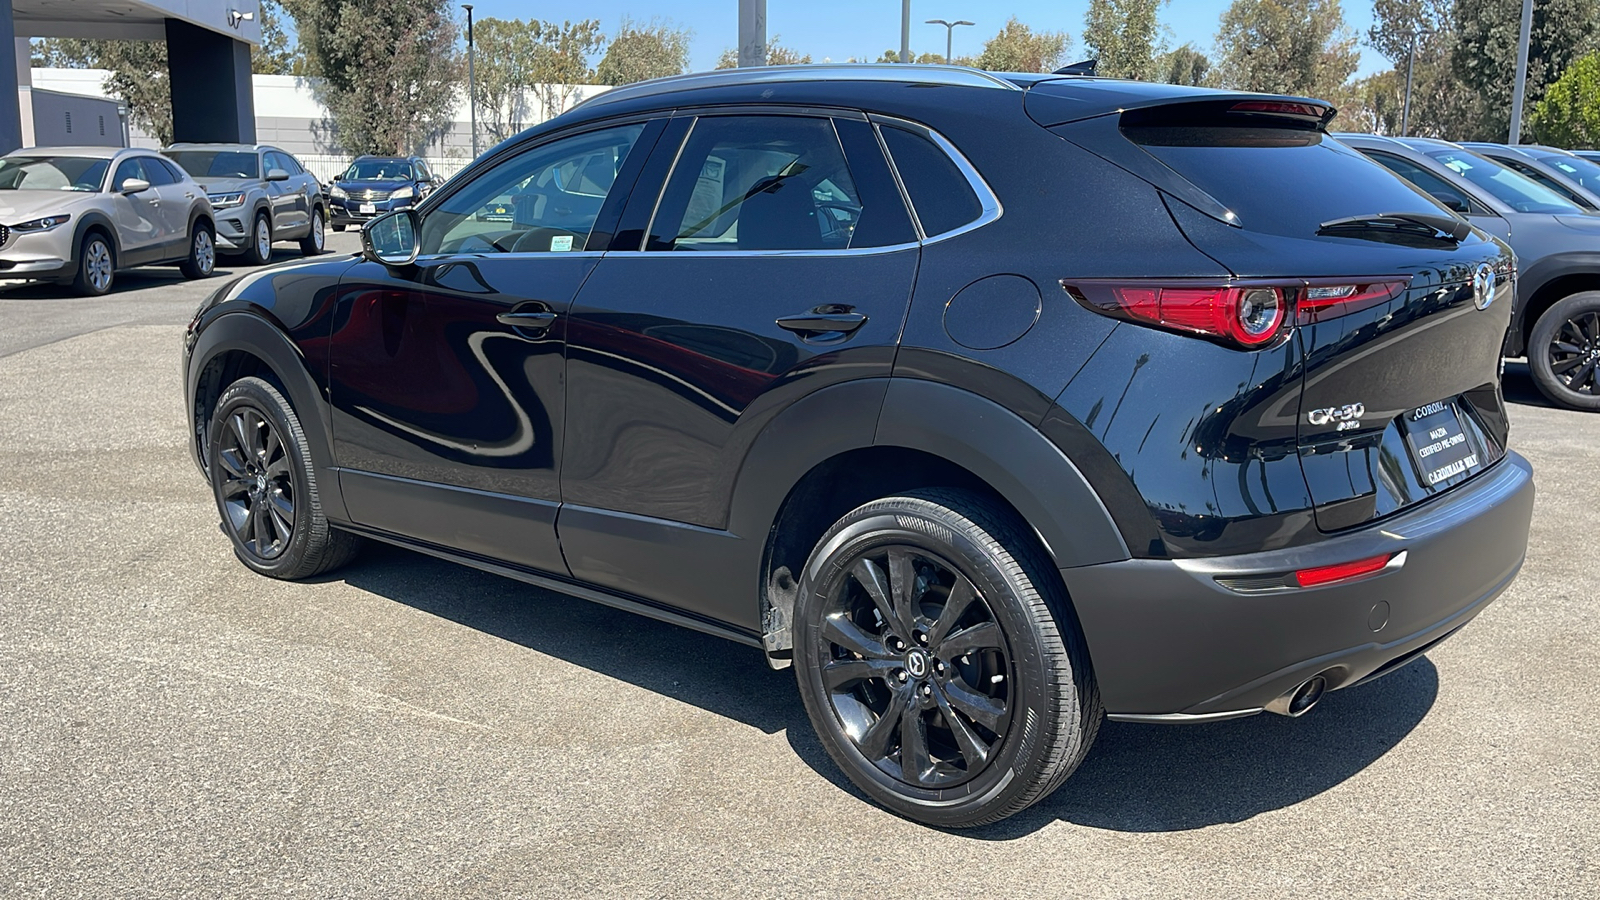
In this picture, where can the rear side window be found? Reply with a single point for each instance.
(156, 172)
(940, 193)
(1512, 189)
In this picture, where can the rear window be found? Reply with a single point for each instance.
(1284, 180)
(1511, 188)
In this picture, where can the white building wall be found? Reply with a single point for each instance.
(288, 115)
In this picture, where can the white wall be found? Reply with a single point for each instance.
(288, 114)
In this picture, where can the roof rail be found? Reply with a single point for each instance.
(919, 74)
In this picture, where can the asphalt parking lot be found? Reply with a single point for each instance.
(171, 725)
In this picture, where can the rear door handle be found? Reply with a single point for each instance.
(823, 323)
(528, 322)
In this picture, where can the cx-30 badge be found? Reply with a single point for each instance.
(1347, 416)
(1483, 286)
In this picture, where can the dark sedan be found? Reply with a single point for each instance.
(374, 185)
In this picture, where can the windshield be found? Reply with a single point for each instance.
(1576, 168)
(217, 163)
(52, 173)
(1513, 189)
(378, 170)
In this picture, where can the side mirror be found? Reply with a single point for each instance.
(391, 239)
(134, 185)
(1452, 201)
(277, 175)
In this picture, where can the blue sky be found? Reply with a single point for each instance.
(840, 29)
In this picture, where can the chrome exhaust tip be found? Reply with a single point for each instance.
(1299, 701)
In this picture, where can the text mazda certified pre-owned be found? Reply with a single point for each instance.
(995, 406)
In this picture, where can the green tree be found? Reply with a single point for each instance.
(1122, 35)
(893, 56)
(1286, 47)
(388, 70)
(1183, 65)
(1018, 48)
(274, 55)
(777, 55)
(1440, 103)
(1370, 104)
(642, 52)
(503, 52)
(1484, 56)
(560, 63)
(1568, 115)
(137, 75)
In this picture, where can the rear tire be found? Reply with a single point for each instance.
(1564, 352)
(965, 696)
(259, 251)
(311, 244)
(266, 488)
(97, 266)
(202, 259)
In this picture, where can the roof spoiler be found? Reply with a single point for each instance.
(1087, 67)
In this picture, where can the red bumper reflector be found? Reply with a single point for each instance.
(1333, 574)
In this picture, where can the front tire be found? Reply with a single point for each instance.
(97, 266)
(266, 488)
(311, 244)
(259, 253)
(202, 259)
(939, 660)
(1564, 352)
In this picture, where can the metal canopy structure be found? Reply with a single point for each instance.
(208, 56)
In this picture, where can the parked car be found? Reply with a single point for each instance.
(1591, 155)
(374, 185)
(993, 407)
(1557, 170)
(76, 215)
(261, 195)
(1557, 311)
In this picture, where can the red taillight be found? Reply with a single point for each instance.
(1325, 301)
(1249, 315)
(1321, 575)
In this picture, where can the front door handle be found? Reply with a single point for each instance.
(527, 322)
(817, 323)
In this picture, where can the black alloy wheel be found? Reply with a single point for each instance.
(256, 490)
(916, 667)
(940, 660)
(1564, 352)
(266, 488)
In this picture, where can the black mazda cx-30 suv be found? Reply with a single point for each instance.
(994, 405)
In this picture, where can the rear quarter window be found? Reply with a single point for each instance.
(940, 193)
(1285, 181)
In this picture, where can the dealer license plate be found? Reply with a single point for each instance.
(368, 209)
(1444, 452)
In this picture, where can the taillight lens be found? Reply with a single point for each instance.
(1245, 315)
(1321, 575)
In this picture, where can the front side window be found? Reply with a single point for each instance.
(129, 168)
(1512, 189)
(545, 200)
(758, 183)
(218, 163)
(52, 173)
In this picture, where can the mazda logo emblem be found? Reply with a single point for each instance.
(1483, 286)
(917, 663)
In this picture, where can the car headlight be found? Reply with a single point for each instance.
(337, 192)
(226, 201)
(45, 224)
(403, 193)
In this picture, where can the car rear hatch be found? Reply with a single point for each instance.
(1399, 307)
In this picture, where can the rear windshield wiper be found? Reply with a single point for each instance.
(1438, 227)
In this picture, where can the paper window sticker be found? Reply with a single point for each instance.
(561, 243)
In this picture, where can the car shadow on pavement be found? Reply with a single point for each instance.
(708, 672)
(1137, 778)
(1518, 387)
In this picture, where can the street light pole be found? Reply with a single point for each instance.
(949, 34)
(905, 31)
(1522, 73)
(472, 82)
(1411, 61)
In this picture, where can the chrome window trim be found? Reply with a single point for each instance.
(991, 209)
(435, 258)
(716, 254)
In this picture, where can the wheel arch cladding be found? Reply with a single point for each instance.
(96, 221)
(235, 340)
(1551, 280)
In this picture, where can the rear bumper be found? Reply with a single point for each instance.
(1169, 643)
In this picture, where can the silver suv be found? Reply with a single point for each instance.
(75, 215)
(261, 195)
